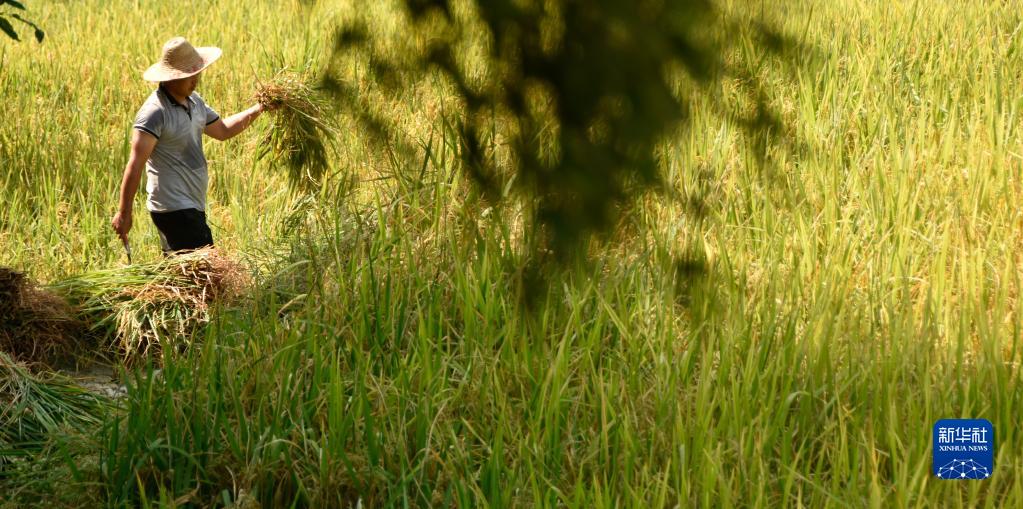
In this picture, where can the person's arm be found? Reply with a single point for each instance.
(227, 128)
(142, 144)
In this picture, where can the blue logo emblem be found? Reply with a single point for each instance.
(963, 449)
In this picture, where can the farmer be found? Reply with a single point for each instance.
(167, 142)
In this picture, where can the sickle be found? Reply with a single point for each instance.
(127, 249)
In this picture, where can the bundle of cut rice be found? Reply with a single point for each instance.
(36, 326)
(301, 134)
(141, 310)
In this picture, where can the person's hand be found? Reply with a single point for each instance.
(268, 106)
(122, 225)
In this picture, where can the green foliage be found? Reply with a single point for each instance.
(8, 11)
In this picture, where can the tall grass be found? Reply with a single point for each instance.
(861, 286)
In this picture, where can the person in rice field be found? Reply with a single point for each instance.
(167, 142)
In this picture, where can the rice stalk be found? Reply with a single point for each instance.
(33, 407)
(301, 135)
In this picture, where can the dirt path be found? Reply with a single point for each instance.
(99, 379)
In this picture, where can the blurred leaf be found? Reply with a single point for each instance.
(347, 37)
(577, 92)
(8, 29)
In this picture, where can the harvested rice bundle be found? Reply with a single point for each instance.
(36, 326)
(143, 309)
(32, 407)
(301, 134)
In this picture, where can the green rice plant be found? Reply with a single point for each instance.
(302, 134)
(34, 406)
(161, 304)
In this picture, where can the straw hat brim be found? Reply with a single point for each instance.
(160, 71)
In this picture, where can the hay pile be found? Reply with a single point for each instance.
(301, 134)
(36, 326)
(143, 309)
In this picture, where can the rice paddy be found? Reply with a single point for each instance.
(862, 281)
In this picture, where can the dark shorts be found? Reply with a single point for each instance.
(182, 229)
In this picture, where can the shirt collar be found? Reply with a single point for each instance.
(171, 97)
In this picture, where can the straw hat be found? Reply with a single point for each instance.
(180, 60)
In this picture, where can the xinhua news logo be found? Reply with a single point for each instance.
(963, 449)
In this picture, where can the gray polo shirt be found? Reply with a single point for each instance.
(176, 176)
